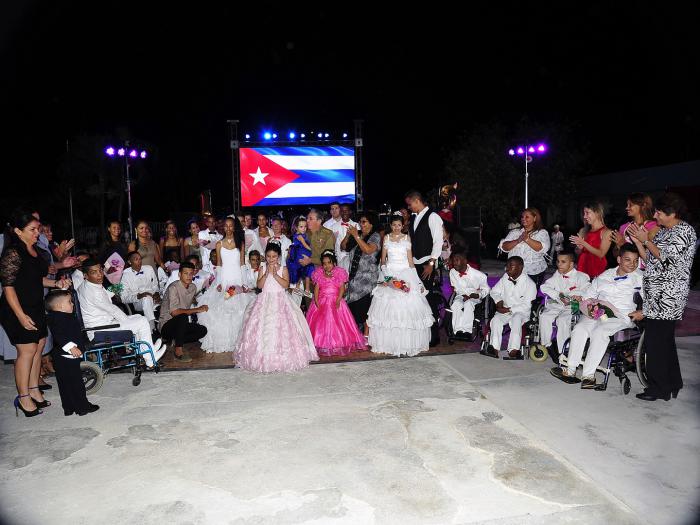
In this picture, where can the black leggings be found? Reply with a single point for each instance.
(182, 331)
(663, 370)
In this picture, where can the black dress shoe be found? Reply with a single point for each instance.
(558, 372)
(646, 396)
(517, 356)
(588, 383)
(68, 412)
(91, 408)
(490, 352)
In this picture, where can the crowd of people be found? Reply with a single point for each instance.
(281, 293)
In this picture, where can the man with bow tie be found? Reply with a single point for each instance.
(340, 230)
(278, 237)
(201, 279)
(209, 237)
(140, 287)
(618, 287)
(470, 287)
(559, 289)
(513, 296)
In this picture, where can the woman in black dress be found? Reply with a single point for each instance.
(23, 276)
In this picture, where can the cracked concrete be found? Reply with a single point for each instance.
(407, 441)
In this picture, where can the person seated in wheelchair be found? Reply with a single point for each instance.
(97, 310)
(470, 287)
(559, 289)
(513, 296)
(67, 351)
(618, 287)
(140, 287)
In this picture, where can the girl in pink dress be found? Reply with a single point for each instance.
(275, 336)
(331, 323)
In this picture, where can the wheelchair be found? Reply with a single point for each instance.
(482, 313)
(111, 350)
(529, 348)
(623, 344)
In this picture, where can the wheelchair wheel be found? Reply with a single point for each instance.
(538, 353)
(136, 381)
(626, 386)
(640, 361)
(93, 376)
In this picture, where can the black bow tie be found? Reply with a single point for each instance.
(514, 281)
(139, 273)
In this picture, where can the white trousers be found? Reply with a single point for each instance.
(562, 315)
(142, 332)
(463, 314)
(146, 306)
(516, 321)
(599, 333)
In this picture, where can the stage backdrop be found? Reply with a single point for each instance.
(288, 176)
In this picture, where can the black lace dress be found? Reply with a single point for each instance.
(24, 272)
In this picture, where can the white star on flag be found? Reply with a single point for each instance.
(258, 177)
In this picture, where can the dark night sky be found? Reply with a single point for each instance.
(624, 73)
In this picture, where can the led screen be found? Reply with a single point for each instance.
(289, 176)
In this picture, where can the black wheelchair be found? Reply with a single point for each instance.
(529, 347)
(483, 311)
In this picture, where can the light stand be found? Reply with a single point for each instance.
(527, 152)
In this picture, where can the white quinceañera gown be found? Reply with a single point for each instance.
(225, 316)
(399, 321)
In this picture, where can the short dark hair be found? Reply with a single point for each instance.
(672, 203)
(628, 247)
(336, 203)
(90, 262)
(131, 253)
(192, 257)
(113, 221)
(186, 265)
(254, 252)
(54, 297)
(568, 253)
(414, 194)
(517, 259)
(459, 253)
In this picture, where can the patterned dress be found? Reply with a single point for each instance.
(667, 278)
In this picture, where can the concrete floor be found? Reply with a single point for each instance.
(451, 439)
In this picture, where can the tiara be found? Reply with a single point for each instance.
(397, 213)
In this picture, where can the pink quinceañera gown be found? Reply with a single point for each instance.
(334, 329)
(275, 336)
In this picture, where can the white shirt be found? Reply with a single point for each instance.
(535, 262)
(557, 238)
(435, 224)
(78, 278)
(200, 279)
(250, 276)
(340, 230)
(285, 243)
(473, 281)
(134, 283)
(205, 251)
(517, 296)
(571, 283)
(618, 290)
(331, 222)
(96, 306)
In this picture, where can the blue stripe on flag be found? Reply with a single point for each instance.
(325, 151)
(298, 201)
(324, 176)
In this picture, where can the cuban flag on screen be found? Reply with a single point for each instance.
(288, 176)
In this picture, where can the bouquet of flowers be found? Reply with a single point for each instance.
(114, 266)
(596, 309)
(116, 289)
(233, 290)
(172, 265)
(396, 284)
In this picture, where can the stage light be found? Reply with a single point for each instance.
(345, 135)
(110, 151)
(326, 135)
(267, 135)
(541, 148)
(511, 152)
(274, 135)
(520, 151)
(320, 135)
(303, 135)
(292, 135)
(143, 155)
(247, 136)
(121, 152)
(531, 149)
(133, 154)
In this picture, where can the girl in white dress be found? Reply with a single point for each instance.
(399, 321)
(225, 316)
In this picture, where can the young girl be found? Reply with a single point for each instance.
(331, 323)
(300, 246)
(225, 316)
(399, 321)
(275, 336)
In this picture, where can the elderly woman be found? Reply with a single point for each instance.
(23, 276)
(531, 243)
(363, 245)
(668, 257)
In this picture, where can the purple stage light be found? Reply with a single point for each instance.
(143, 155)
(110, 151)
(133, 154)
(531, 149)
(121, 152)
(541, 148)
(511, 152)
(520, 151)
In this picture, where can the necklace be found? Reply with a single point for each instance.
(328, 274)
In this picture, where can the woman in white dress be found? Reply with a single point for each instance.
(399, 321)
(225, 316)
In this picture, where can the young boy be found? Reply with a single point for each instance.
(67, 352)
(513, 296)
(565, 283)
(252, 270)
(470, 288)
(618, 287)
(140, 287)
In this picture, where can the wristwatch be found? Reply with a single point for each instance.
(644, 243)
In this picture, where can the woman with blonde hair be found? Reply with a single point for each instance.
(593, 241)
(530, 242)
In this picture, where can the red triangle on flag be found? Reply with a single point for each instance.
(260, 176)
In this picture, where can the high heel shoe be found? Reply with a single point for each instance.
(674, 394)
(41, 404)
(27, 413)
